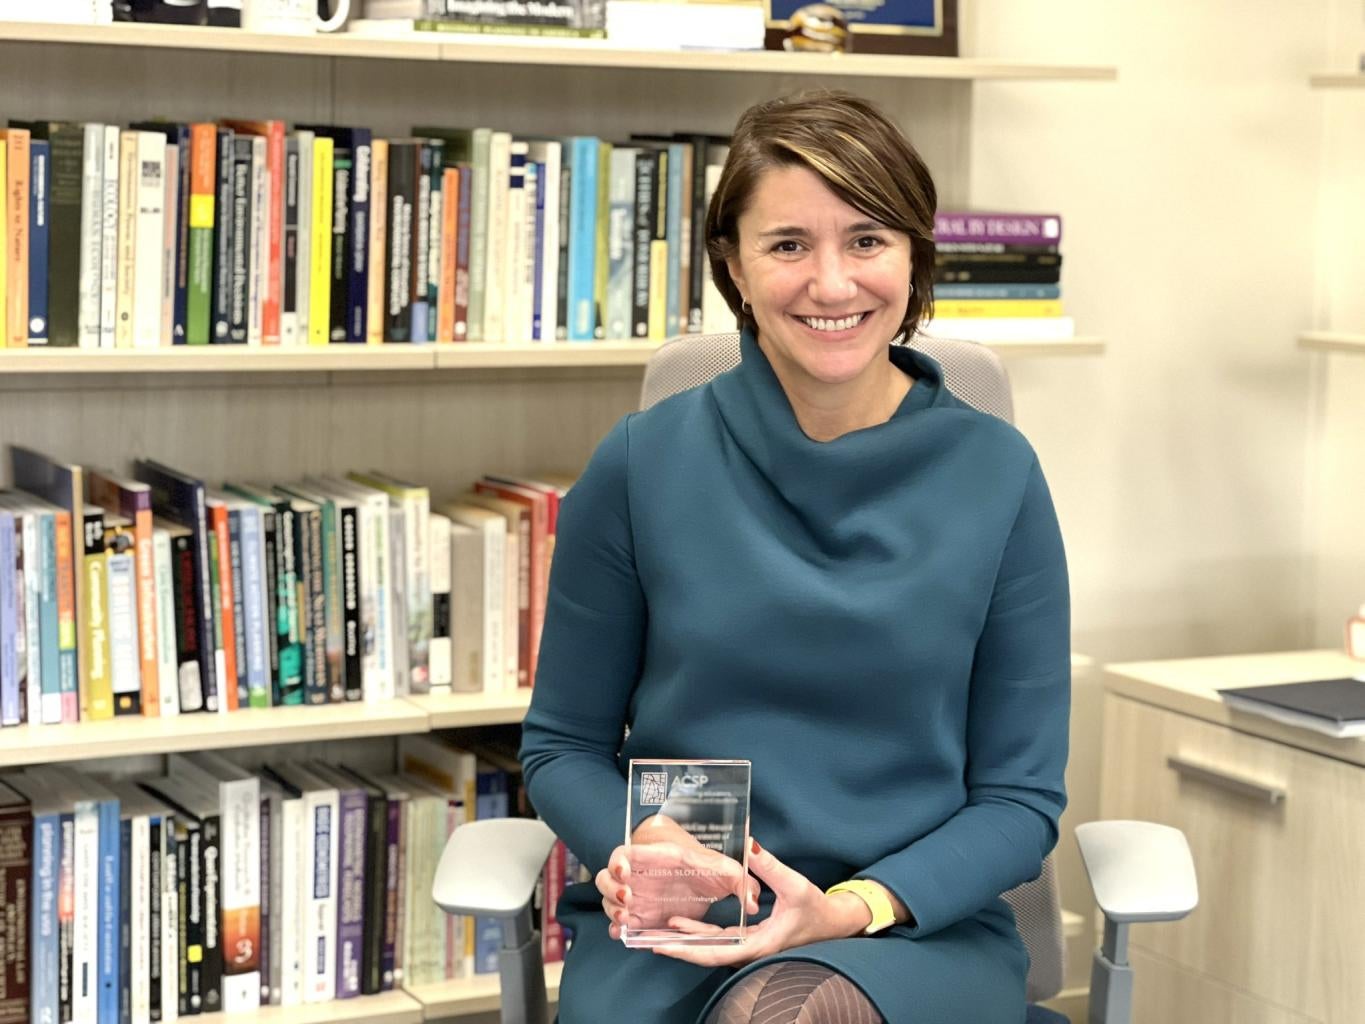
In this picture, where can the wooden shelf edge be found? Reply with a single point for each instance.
(384, 45)
(1332, 341)
(1082, 345)
(251, 727)
(395, 1007)
(460, 710)
(1337, 80)
(466, 996)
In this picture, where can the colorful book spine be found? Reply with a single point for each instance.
(39, 232)
(203, 197)
(320, 278)
(972, 226)
(583, 239)
(16, 256)
(997, 291)
(124, 677)
(966, 308)
(254, 607)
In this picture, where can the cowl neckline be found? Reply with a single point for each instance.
(759, 418)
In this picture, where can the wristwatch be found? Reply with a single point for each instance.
(883, 914)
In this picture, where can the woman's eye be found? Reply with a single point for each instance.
(868, 242)
(787, 246)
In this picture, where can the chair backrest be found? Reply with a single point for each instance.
(974, 374)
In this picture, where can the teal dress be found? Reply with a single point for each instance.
(880, 623)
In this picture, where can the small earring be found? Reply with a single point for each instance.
(912, 287)
(745, 308)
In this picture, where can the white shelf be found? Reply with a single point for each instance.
(386, 1008)
(590, 53)
(479, 994)
(460, 710)
(1338, 80)
(250, 727)
(1332, 341)
(1082, 345)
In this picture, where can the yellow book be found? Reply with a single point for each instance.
(98, 700)
(379, 190)
(658, 290)
(961, 309)
(602, 262)
(4, 236)
(320, 286)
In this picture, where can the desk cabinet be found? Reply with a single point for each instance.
(1278, 837)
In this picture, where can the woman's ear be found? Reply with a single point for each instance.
(736, 274)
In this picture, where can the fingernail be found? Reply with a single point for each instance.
(620, 895)
(757, 849)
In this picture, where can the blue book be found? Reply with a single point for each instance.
(997, 291)
(9, 624)
(538, 294)
(111, 912)
(39, 227)
(490, 801)
(582, 237)
(48, 643)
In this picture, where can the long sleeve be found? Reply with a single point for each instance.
(590, 657)
(1016, 737)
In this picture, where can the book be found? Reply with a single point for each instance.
(982, 226)
(1335, 707)
(16, 252)
(16, 868)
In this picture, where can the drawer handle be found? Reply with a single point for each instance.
(1226, 780)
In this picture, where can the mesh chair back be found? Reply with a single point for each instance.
(974, 374)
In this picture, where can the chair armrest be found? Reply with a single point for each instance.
(1140, 871)
(490, 868)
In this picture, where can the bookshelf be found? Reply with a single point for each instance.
(275, 415)
(588, 53)
(1332, 341)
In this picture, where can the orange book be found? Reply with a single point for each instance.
(203, 184)
(227, 685)
(379, 222)
(450, 219)
(273, 131)
(16, 235)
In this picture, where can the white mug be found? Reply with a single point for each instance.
(295, 17)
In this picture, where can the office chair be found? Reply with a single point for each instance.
(1139, 871)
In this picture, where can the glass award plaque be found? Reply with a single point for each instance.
(687, 830)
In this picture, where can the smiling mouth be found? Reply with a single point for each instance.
(829, 325)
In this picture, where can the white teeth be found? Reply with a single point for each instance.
(822, 324)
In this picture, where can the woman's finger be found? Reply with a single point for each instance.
(694, 927)
(785, 882)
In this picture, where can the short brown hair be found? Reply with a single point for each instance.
(857, 151)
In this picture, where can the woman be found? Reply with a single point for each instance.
(825, 563)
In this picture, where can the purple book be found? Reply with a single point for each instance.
(1011, 228)
(350, 877)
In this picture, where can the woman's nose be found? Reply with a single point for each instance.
(832, 280)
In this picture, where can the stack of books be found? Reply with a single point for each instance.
(251, 232)
(158, 594)
(214, 886)
(997, 277)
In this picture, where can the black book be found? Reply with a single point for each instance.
(996, 273)
(66, 167)
(398, 245)
(376, 882)
(239, 311)
(289, 296)
(648, 165)
(222, 237)
(1332, 706)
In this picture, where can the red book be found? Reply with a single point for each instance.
(219, 537)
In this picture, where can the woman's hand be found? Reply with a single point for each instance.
(802, 914)
(667, 875)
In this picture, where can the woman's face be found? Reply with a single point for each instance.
(828, 285)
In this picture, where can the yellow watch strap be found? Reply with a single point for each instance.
(876, 898)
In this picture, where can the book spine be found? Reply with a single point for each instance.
(549, 264)
(393, 881)
(97, 696)
(144, 561)
(353, 669)
(128, 923)
(601, 226)
(17, 242)
(255, 624)
(180, 317)
(270, 601)
(92, 234)
(343, 161)
(462, 252)
(290, 622)
(10, 640)
(997, 291)
(402, 186)
(621, 248)
(658, 255)
(240, 887)
(16, 874)
(167, 665)
(220, 605)
(49, 707)
(238, 304)
(66, 919)
(68, 665)
(583, 239)
(964, 308)
(439, 651)
(562, 264)
(378, 242)
(674, 234)
(271, 306)
(320, 277)
(39, 231)
(380, 568)
(184, 589)
(225, 237)
(149, 238)
(202, 218)
(110, 911)
(320, 929)
(169, 250)
(109, 237)
(237, 637)
(211, 876)
(125, 290)
(358, 238)
(434, 168)
(952, 226)
(351, 893)
(699, 264)
(376, 886)
(450, 211)
(314, 607)
(172, 948)
(991, 273)
(303, 301)
(121, 611)
(292, 900)
(421, 246)
(289, 317)
(513, 255)
(259, 247)
(417, 543)
(646, 175)
(27, 587)
(482, 141)
(147, 977)
(45, 942)
(536, 255)
(190, 901)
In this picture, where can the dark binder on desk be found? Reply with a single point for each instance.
(1335, 707)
